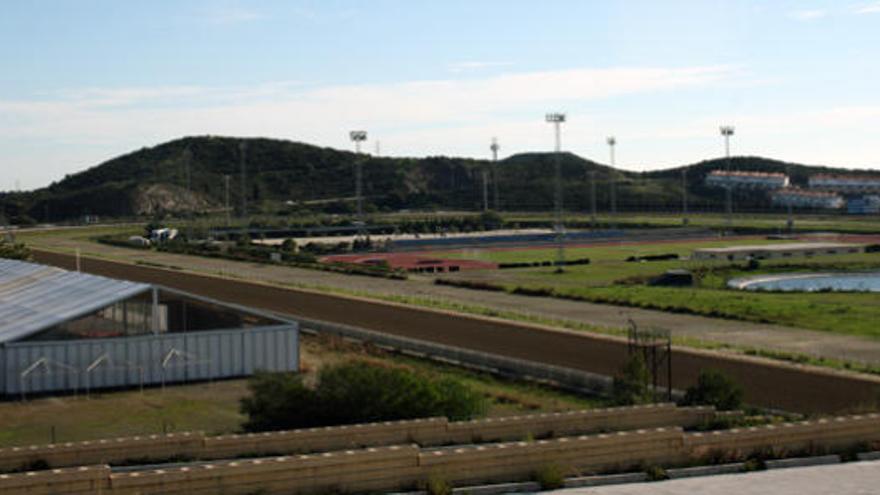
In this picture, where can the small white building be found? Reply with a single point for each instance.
(803, 198)
(746, 180)
(773, 251)
(845, 183)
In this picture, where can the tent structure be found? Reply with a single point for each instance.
(63, 331)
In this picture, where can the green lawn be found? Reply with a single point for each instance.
(213, 408)
(763, 221)
(610, 279)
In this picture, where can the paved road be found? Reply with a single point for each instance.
(857, 478)
(738, 333)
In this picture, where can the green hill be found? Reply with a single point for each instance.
(285, 175)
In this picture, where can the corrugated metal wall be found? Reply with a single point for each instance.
(152, 359)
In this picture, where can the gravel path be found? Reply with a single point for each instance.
(738, 333)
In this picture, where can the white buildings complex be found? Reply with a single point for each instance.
(805, 198)
(746, 180)
(851, 184)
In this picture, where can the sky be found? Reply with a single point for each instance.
(87, 80)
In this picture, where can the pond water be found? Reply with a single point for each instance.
(810, 282)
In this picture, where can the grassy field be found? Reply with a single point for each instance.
(767, 222)
(213, 408)
(610, 279)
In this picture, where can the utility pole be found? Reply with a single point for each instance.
(727, 132)
(612, 142)
(495, 147)
(790, 222)
(358, 137)
(485, 174)
(684, 196)
(593, 201)
(557, 119)
(242, 154)
(226, 181)
(187, 158)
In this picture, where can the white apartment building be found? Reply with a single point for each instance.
(748, 180)
(802, 198)
(845, 183)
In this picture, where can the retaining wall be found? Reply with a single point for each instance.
(405, 467)
(809, 436)
(429, 431)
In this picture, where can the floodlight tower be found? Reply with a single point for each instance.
(612, 142)
(727, 132)
(684, 197)
(242, 155)
(358, 137)
(790, 222)
(495, 147)
(187, 158)
(557, 119)
(593, 199)
(226, 182)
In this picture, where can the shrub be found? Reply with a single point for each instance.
(714, 388)
(355, 392)
(656, 473)
(437, 485)
(550, 477)
(632, 384)
(14, 251)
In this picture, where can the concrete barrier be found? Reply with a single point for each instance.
(425, 432)
(406, 467)
(70, 481)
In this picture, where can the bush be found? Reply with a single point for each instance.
(632, 385)
(14, 251)
(550, 477)
(714, 388)
(355, 392)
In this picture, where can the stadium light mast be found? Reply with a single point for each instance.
(727, 132)
(593, 199)
(242, 155)
(612, 142)
(557, 119)
(226, 181)
(495, 147)
(187, 158)
(358, 137)
(684, 196)
(790, 221)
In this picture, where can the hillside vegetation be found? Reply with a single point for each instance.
(285, 176)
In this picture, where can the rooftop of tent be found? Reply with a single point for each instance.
(39, 302)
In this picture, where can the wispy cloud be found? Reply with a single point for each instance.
(809, 15)
(230, 15)
(870, 8)
(415, 117)
(476, 65)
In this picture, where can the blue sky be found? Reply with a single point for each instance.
(83, 81)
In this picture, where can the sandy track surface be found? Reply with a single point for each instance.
(737, 333)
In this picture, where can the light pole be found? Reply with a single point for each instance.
(593, 199)
(727, 132)
(226, 181)
(187, 158)
(495, 147)
(358, 137)
(684, 196)
(557, 119)
(612, 142)
(790, 222)
(242, 155)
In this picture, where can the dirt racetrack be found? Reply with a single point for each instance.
(766, 383)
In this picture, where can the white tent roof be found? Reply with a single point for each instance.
(36, 297)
